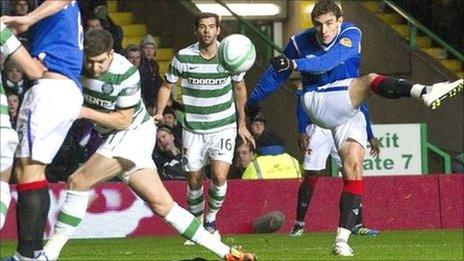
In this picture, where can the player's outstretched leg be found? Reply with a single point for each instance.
(432, 95)
(147, 184)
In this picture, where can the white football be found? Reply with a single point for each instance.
(236, 53)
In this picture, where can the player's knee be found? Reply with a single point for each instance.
(369, 78)
(162, 207)
(353, 170)
(77, 182)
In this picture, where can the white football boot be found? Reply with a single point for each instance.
(439, 91)
(342, 249)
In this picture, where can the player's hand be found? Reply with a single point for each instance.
(158, 118)
(246, 136)
(17, 24)
(303, 140)
(281, 63)
(375, 147)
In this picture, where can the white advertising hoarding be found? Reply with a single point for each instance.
(400, 150)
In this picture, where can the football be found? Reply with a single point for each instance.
(236, 53)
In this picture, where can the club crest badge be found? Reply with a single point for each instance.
(346, 42)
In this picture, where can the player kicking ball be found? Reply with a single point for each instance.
(112, 101)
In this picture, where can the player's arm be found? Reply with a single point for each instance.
(164, 94)
(47, 8)
(118, 120)
(375, 145)
(12, 47)
(302, 121)
(346, 47)
(240, 101)
(271, 80)
(172, 75)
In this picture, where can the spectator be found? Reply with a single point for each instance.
(258, 125)
(167, 155)
(14, 79)
(92, 22)
(19, 8)
(244, 155)
(170, 120)
(272, 162)
(149, 70)
(99, 9)
(14, 102)
(80, 143)
(133, 54)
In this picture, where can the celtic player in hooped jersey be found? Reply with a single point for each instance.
(213, 102)
(15, 52)
(112, 101)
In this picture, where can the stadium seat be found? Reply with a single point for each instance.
(425, 43)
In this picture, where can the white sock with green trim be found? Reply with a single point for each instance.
(71, 214)
(5, 199)
(196, 203)
(217, 195)
(189, 227)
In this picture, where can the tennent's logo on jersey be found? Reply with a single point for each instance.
(197, 81)
(99, 102)
(107, 88)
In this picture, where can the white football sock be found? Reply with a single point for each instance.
(217, 195)
(71, 214)
(196, 202)
(342, 235)
(189, 227)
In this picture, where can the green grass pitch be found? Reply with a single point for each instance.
(390, 245)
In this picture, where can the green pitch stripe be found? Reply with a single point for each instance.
(69, 220)
(206, 93)
(214, 196)
(210, 125)
(192, 228)
(207, 109)
(5, 34)
(3, 208)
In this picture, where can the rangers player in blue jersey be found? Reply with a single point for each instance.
(328, 56)
(47, 111)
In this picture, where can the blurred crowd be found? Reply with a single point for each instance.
(268, 160)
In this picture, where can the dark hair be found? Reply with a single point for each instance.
(131, 48)
(169, 110)
(97, 42)
(207, 15)
(323, 7)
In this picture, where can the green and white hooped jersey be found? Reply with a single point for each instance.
(118, 88)
(207, 90)
(8, 44)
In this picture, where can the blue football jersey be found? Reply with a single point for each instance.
(320, 64)
(60, 37)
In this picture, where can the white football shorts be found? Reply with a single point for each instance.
(45, 117)
(200, 149)
(329, 106)
(135, 145)
(321, 145)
